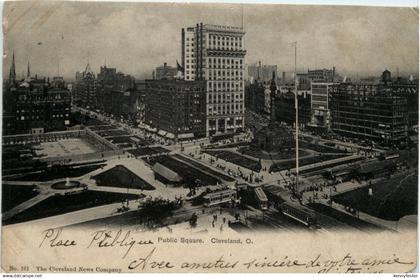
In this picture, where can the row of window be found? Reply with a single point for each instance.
(23, 118)
(225, 96)
(228, 67)
(225, 41)
(223, 112)
(238, 107)
(225, 73)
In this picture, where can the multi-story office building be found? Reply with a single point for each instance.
(109, 80)
(255, 97)
(371, 112)
(216, 54)
(121, 103)
(42, 111)
(320, 111)
(85, 90)
(176, 108)
(383, 111)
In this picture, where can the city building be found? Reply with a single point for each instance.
(303, 81)
(176, 108)
(410, 91)
(109, 80)
(255, 97)
(385, 110)
(285, 106)
(58, 82)
(34, 105)
(261, 73)
(166, 72)
(216, 54)
(320, 112)
(371, 112)
(39, 111)
(121, 103)
(322, 75)
(140, 90)
(85, 88)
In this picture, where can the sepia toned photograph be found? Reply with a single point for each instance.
(175, 137)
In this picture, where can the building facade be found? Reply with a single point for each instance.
(285, 106)
(261, 73)
(35, 105)
(320, 111)
(255, 97)
(216, 54)
(109, 80)
(85, 88)
(372, 112)
(40, 110)
(176, 108)
(166, 72)
(322, 75)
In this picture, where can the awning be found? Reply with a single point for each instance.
(185, 135)
(166, 173)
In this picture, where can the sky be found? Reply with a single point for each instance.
(62, 37)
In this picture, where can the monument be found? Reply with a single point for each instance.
(273, 137)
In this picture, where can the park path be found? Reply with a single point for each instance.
(24, 183)
(25, 205)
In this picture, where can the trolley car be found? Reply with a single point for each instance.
(298, 213)
(219, 197)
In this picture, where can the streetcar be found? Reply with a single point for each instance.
(298, 213)
(219, 197)
(261, 198)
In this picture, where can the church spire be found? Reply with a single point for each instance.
(273, 89)
(12, 74)
(28, 74)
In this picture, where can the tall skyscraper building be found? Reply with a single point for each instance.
(85, 90)
(216, 54)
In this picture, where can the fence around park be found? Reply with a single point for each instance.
(70, 159)
(94, 139)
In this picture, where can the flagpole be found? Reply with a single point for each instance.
(296, 124)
